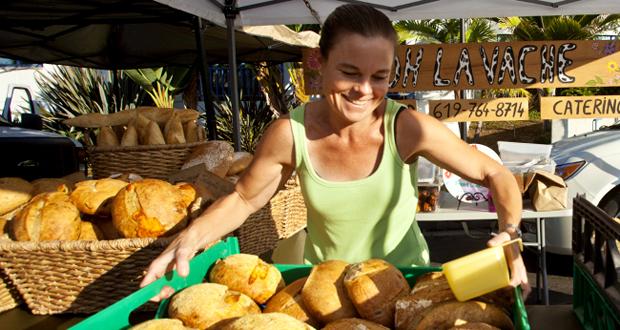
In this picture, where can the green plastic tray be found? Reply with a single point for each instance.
(116, 316)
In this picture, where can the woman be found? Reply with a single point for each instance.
(355, 153)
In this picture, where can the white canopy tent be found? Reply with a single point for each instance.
(268, 12)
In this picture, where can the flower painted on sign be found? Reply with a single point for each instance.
(612, 66)
(610, 48)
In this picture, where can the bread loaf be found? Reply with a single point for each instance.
(153, 134)
(90, 232)
(151, 208)
(74, 178)
(207, 304)
(216, 155)
(173, 131)
(13, 193)
(430, 289)
(473, 326)
(324, 294)
(51, 185)
(353, 324)
(107, 227)
(160, 324)
(95, 196)
(241, 160)
(158, 115)
(374, 286)
(249, 275)
(191, 131)
(453, 313)
(107, 137)
(288, 301)
(47, 217)
(267, 321)
(130, 137)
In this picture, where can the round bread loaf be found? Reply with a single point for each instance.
(151, 208)
(51, 185)
(204, 305)
(453, 313)
(160, 324)
(249, 275)
(47, 217)
(288, 301)
(474, 326)
(374, 286)
(241, 160)
(430, 289)
(267, 321)
(324, 294)
(13, 193)
(216, 155)
(95, 196)
(90, 232)
(353, 324)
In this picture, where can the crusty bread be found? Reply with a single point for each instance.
(94, 196)
(217, 155)
(474, 326)
(130, 137)
(13, 193)
(249, 275)
(324, 294)
(374, 286)
(191, 131)
(289, 301)
(452, 313)
(107, 137)
(160, 324)
(158, 115)
(430, 289)
(51, 185)
(241, 160)
(74, 178)
(267, 321)
(107, 227)
(90, 232)
(173, 131)
(48, 216)
(151, 208)
(205, 305)
(153, 135)
(353, 324)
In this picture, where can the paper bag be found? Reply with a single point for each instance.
(547, 191)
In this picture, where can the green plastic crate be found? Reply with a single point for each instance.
(591, 306)
(116, 316)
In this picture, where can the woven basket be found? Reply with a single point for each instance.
(149, 161)
(284, 216)
(77, 276)
(9, 297)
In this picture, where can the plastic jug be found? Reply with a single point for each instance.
(479, 273)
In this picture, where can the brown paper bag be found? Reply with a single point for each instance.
(547, 191)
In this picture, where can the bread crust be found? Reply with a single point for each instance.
(216, 155)
(94, 196)
(14, 192)
(267, 321)
(47, 217)
(354, 324)
(452, 313)
(160, 324)
(289, 301)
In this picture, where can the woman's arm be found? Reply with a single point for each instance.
(273, 163)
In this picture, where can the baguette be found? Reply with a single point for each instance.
(107, 137)
(159, 115)
(130, 138)
(173, 131)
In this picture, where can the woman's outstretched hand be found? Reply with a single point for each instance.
(518, 272)
(176, 256)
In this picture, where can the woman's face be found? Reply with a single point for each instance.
(355, 75)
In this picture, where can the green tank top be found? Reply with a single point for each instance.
(373, 217)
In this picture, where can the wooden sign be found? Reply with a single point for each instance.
(514, 108)
(564, 107)
(522, 64)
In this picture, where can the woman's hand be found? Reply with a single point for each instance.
(176, 256)
(513, 256)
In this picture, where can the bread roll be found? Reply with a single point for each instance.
(51, 185)
(173, 131)
(74, 178)
(354, 324)
(204, 305)
(153, 135)
(107, 137)
(267, 321)
(130, 137)
(158, 115)
(216, 155)
(430, 289)
(324, 294)
(151, 208)
(5, 229)
(374, 286)
(289, 301)
(453, 313)
(474, 326)
(13, 193)
(95, 196)
(90, 232)
(241, 160)
(160, 324)
(249, 275)
(191, 131)
(48, 216)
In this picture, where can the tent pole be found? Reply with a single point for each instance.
(231, 11)
(463, 125)
(206, 83)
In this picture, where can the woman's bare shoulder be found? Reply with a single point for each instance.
(277, 141)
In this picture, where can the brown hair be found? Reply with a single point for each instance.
(355, 18)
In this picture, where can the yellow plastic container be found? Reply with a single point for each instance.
(479, 273)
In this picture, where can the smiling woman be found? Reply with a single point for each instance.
(355, 153)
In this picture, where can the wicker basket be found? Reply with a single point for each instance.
(152, 161)
(9, 297)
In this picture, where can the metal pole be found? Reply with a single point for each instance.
(205, 82)
(463, 125)
(231, 11)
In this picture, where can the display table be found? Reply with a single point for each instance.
(449, 210)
